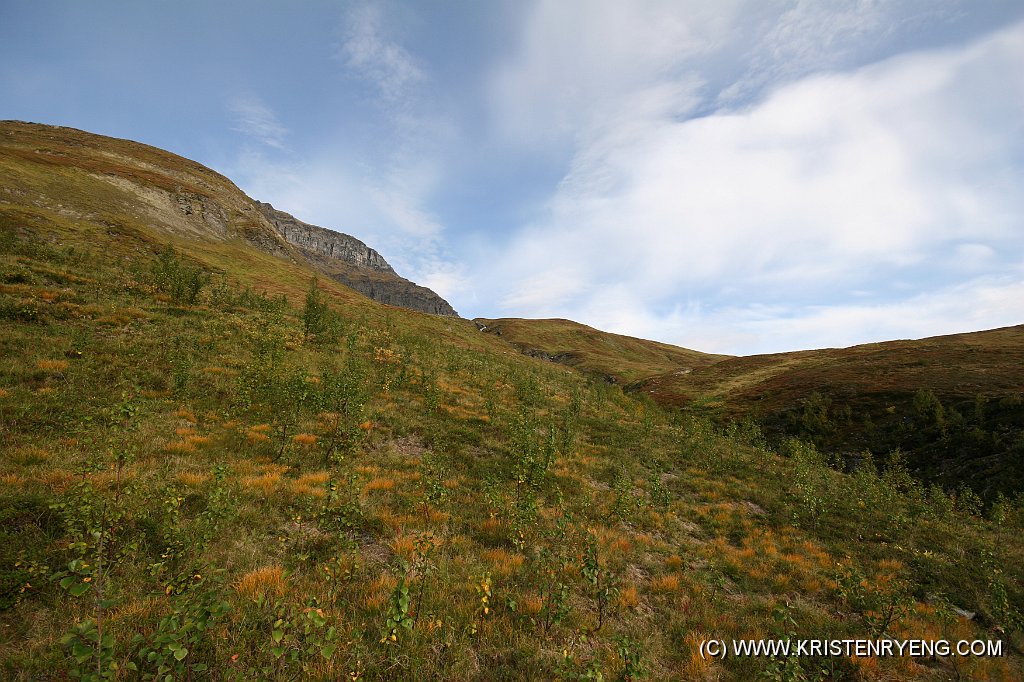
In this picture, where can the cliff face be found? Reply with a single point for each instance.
(354, 264)
(324, 242)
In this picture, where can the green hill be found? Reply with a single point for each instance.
(214, 465)
(614, 357)
(953, 404)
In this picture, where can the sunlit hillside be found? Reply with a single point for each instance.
(217, 463)
(614, 357)
(954, 405)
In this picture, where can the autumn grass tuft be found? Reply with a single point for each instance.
(263, 582)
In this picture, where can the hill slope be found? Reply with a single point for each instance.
(212, 469)
(954, 403)
(617, 358)
(125, 186)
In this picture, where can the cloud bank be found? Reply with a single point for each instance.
(835, 208)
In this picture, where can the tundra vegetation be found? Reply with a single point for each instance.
(214, 466)
(202, 482)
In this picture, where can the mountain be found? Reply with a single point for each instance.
(217, 464)
(354, 264)
(121, 183)
(614, 357)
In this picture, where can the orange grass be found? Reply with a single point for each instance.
(665, 584)
(257, 437)
(266, 581)
(185, 414)
(503, 562)
(628, 597)
(379, 484)
(193, 479)
(266, 484)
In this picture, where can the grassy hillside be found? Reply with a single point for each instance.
(954, 404)
(621, 359)
(212, 469)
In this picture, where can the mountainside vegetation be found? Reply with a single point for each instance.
(613, 357)
(217, 464)
(953, 406)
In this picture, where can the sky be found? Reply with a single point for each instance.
(733, 176)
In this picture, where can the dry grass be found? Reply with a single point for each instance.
(265, 484)
(379, 483)
(56, 480)
(532, 604)
(503, 562)
(193, 479)
(378, 590)
(629, 598)
(695, 666)
(28, 456)
(186, 414)
(404, 546)
(267, 581)
(311, 484)
(665, 584)
(215, 370)
(52, 365)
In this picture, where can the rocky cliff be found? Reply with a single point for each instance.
(324, 242)
(354, 264)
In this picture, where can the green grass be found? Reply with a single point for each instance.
(620, 359)
(202, 489)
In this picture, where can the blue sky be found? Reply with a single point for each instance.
(736, 176)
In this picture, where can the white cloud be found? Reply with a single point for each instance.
(578, 59)
(807, 36)
(368, 50)
(835, 186)
(257, 120)
(982, 303)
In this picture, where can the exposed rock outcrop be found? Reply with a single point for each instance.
(324, 242)
(354, 264)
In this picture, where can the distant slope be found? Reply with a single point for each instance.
(58, 175)
(954, 403)
(617, 358)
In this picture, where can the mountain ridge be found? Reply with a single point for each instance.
(189, 200)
